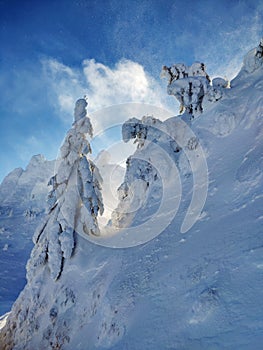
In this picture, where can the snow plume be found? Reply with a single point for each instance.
(126, 82)
(223, 49)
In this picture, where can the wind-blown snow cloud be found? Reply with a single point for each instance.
(218, 33)
(126, 82)
(223, 50)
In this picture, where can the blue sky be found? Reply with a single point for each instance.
(53, 51)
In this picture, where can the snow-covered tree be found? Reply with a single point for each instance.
(142, 185)
(74, 199)
(187, 84)
(190, 84)
(148, 127)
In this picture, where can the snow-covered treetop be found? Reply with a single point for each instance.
(80, 110)
(181, 71)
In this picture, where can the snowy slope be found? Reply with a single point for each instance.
(197, 290)
(22, 197)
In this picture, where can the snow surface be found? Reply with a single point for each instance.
(197, 290)
(3, 320)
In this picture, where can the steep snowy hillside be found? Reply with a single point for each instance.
(196, 285)
(22, 198)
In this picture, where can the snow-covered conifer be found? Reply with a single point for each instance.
(74, 199)
(190, 85)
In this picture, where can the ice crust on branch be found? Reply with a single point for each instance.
(74, 199)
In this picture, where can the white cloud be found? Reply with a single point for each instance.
(65, 102)
(64, 84)
(126, 82)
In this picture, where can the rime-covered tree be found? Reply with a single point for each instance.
(74, 202)
(190, 84)
(74, 199)
(142, 185)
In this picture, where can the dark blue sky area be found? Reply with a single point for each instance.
(105, 30)
(110, 30)
(150, 32)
